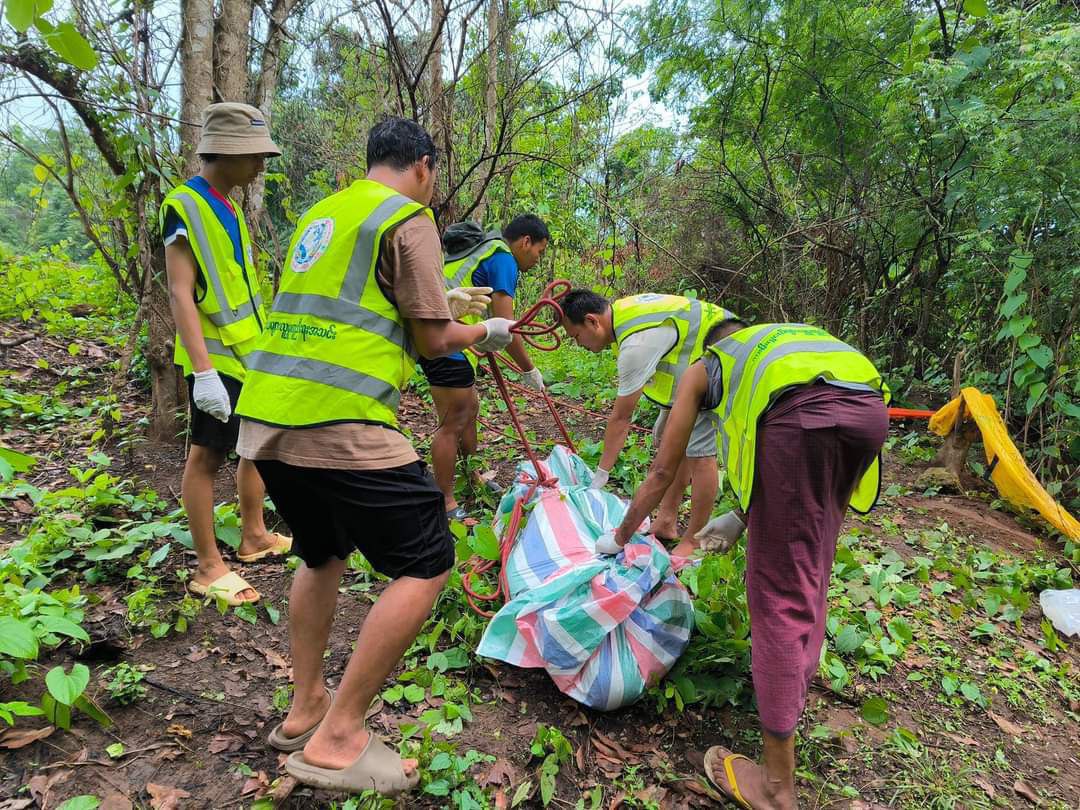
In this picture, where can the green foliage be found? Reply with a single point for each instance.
(555, 750)
(63, 38)
(125, 683)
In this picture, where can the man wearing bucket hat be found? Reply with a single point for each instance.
(215, 302)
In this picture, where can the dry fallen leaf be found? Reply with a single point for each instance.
(499, 772)
(987, 788)
(1006, 725)
(115, 801)
(259, 781)
(285, 786)
(178, 730)
(41, 785)
(1023, 789)
(18, 737)
(166, 797)
(16, 804)
(223, 742)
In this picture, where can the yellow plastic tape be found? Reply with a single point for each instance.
(1016, 483)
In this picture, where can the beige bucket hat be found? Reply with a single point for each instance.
(231, 128)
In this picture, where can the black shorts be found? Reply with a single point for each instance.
(207, 431)
(396, 517)
(448, 372)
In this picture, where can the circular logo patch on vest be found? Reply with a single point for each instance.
(312, 244)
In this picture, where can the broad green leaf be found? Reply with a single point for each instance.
(70, 46)
(115, 750)
(440, 787)
(17, 639)
(62, 626)
(1042, 356)
(84, 802)
(875, 711)
(849, 639)
(7, 472)
(20, 13)
(92, 710)
(56, 712)
(1013, 303)
(414, 693)
(1035, 394)
(67, 687)
(159, 555)
(20, 708)
(976, 8)
(20, 462)
(440, 762)
(522, 793)
(486, 544)
(1014, 279)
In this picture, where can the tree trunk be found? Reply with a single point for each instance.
(197, 64)
(231, 36)
(265, 88)
(439, 128)
(168, 390)
(491, 99)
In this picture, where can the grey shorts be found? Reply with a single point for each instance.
(702, 437)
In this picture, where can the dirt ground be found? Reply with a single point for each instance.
(209, 705)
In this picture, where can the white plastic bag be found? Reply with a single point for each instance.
(1062, 608)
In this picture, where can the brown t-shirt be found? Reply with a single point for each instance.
(410, 269)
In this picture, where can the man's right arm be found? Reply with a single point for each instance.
(438, 338)
(617, 429)
(181, 271)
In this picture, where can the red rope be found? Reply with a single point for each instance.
(531, 330)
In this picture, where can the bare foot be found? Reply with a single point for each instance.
(254, 543)
(665, 529)
(336, 753)
(303, 715)
(207, 574)
(686, 548)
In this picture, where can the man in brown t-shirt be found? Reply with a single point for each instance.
(342, 476)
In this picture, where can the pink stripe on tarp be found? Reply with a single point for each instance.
(651, 667)
(563, 528)
(530, 656)
(617, 605)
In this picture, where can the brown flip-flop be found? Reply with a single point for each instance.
(288, 744)
(377, 768)
(718, 755)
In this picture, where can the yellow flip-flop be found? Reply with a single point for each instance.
(281, 545)
(733, 793)
(226, 587)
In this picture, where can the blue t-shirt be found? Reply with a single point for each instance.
(222, 209)
(498, 271)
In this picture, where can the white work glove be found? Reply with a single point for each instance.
(533, 379)
(468, 301)
(498, 335)
(210, 395)
(606, 544)
(721, 533)
(599, 479)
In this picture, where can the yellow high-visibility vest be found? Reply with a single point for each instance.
(230, 309)
(691, 318)
(458, 269)
(335, 348)
(758, 364)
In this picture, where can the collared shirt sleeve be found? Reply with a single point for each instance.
(640, 354)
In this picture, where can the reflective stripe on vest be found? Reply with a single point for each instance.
(786, 355)
(229, 314)
(459, 267)
(334, 351)
(692, 320)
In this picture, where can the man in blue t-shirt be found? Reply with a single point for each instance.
(208, 256)
(452, 378)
